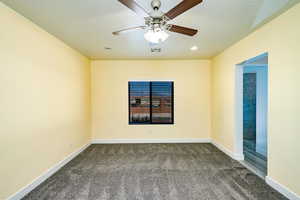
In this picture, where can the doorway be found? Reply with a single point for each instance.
(252, 101)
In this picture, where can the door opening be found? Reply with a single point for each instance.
(252, 102)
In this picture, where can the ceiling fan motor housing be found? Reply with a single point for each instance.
(156, 4)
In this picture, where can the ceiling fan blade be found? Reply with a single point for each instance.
(131, 4)
(182, 7)
(183, 30)
(128, 30)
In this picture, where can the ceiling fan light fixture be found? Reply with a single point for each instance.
(157, 21)
(156, 36)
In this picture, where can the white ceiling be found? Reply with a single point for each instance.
(87, 25)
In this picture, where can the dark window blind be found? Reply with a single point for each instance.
(151, 102)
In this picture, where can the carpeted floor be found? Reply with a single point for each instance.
(153, 172)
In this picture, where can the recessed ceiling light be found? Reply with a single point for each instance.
(194, 48)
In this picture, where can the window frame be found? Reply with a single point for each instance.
(150, 107)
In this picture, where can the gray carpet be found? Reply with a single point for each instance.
(153, 172)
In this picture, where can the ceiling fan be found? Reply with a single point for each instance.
(156, 22)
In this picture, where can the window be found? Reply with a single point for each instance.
(151, 102)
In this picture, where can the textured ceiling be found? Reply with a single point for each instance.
(87, 25)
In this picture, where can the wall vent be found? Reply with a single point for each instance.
(155, 50)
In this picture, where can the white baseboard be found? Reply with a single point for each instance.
(234, 156)
(149, 141)
(28, 188)
(282, 189)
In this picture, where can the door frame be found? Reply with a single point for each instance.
(239, 71)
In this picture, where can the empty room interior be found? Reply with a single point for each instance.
(149, 100)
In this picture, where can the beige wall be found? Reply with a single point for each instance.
(44, 101)
(281, 39)
(191, 97)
